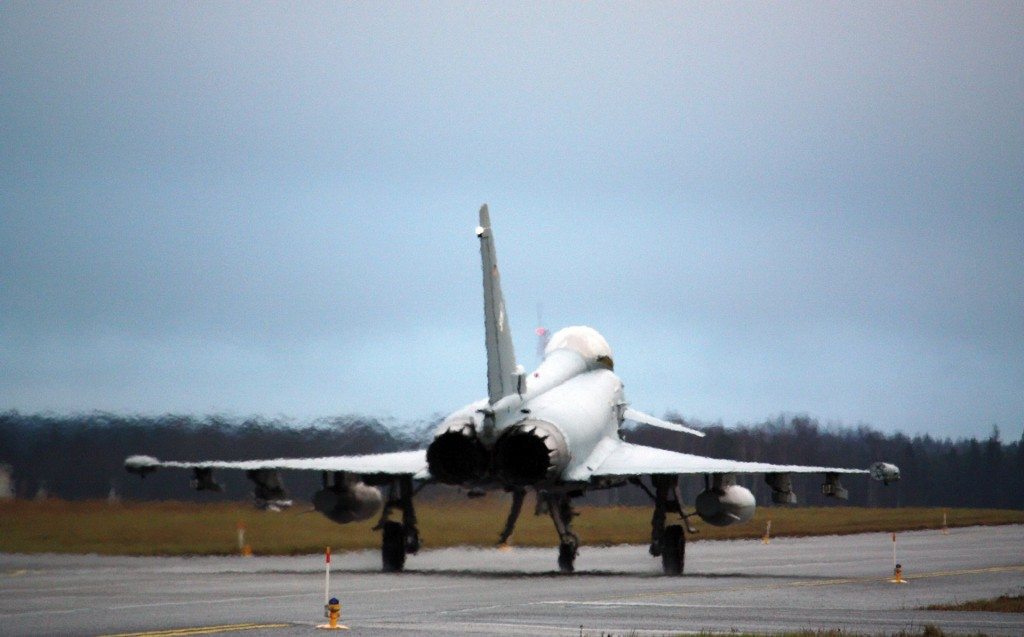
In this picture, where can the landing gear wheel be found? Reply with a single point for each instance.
(412, 542)
(655, 549)
(393, 547)
(673, 550)
(566, 556)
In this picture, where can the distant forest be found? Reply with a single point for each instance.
(81, 457)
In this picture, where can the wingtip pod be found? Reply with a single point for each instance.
(141, 465)
(885, 472)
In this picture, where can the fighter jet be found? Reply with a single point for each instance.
(556, 431)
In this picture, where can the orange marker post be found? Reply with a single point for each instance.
(243, 549)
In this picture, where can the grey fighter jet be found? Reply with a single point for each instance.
(556, 431)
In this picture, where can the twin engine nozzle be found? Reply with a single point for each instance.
(456, 456)
(527, 453)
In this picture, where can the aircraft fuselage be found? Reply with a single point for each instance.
(549, 434)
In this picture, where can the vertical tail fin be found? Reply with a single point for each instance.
(501, 357)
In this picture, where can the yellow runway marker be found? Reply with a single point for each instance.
(198, 630)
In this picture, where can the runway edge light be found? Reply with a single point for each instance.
(333, 607)
(897, 575)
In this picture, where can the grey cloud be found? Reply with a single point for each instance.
(764, 207)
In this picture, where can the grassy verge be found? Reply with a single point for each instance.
(925, 631)
(1002, 604)
(177, 528)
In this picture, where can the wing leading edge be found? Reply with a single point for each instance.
(399, 463)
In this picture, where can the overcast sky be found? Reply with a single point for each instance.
(269, 208)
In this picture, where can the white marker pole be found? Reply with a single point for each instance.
(894, 551)
(327, 578)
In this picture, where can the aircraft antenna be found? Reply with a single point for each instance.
(543, 335)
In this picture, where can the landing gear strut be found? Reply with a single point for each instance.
(399, 538)
(669, 542)
(518, 495)
(560, 508)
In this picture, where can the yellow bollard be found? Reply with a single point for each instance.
(767, 532)
(333, 611)
(945, 529)
(897, 575)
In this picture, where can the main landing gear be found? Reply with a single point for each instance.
(518, 495)
(668, 542)
(399, 538)
(559, 506)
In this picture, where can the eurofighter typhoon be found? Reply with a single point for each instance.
(556, 431)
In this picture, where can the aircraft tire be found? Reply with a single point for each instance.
(412, 542)
(393, 547)
(567, 557)
(673, 550)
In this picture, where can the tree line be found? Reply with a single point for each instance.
(81, 456)
(966, 472)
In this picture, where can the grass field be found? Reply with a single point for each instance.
(1001, 604)
(177, 528)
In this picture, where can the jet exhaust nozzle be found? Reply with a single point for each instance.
(456, 456)
(531, 452)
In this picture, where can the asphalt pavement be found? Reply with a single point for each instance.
(741, 585)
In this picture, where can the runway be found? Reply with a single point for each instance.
(799, 583)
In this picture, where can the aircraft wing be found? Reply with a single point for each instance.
(633, 460)
(399, 463)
